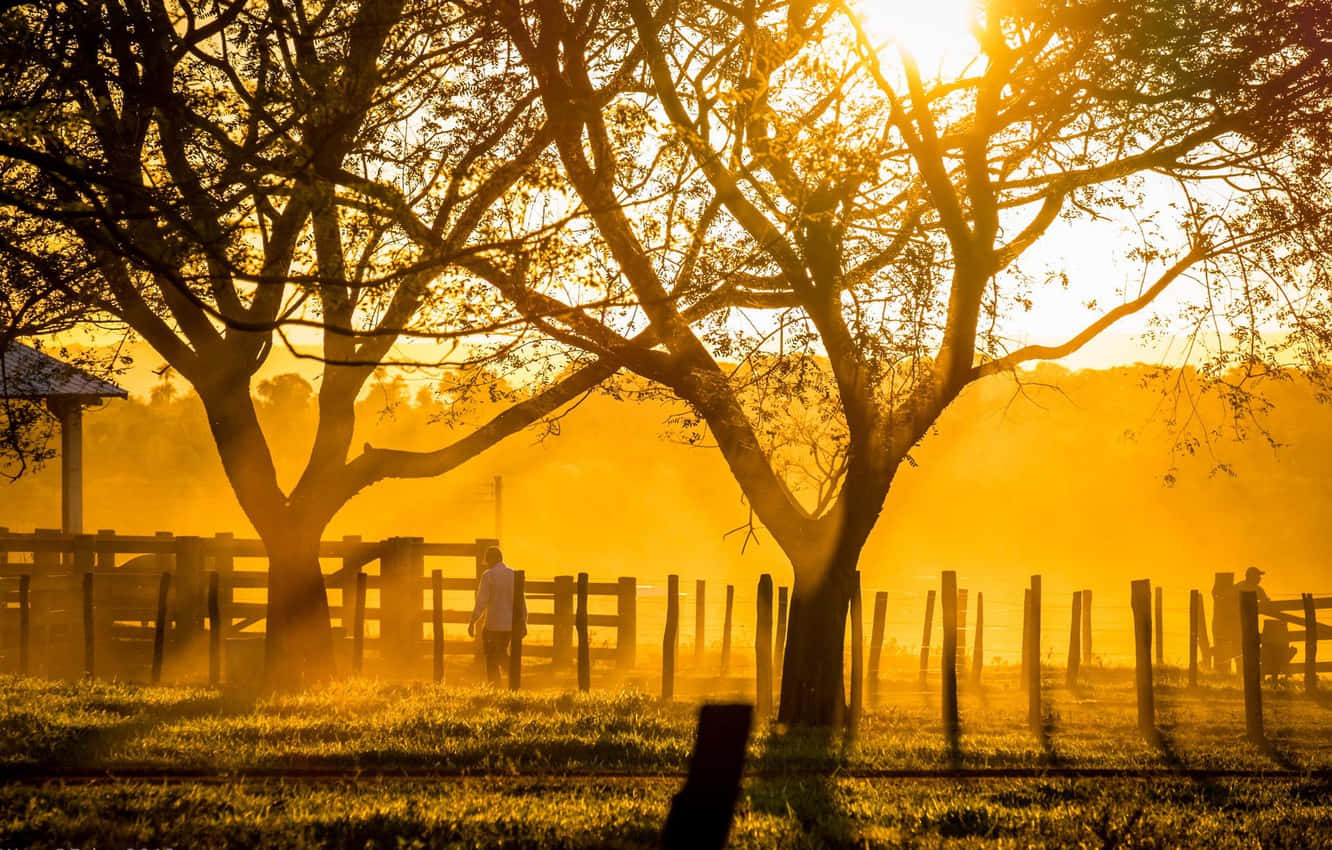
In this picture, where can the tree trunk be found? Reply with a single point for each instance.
(298, 650)
(812, 691)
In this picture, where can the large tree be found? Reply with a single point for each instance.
(199, 176)
(863, 221)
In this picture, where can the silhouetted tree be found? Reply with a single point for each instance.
(865, 219)
(183, 171)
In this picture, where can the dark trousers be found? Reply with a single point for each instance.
(496, 647)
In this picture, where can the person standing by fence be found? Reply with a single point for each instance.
(494, 609)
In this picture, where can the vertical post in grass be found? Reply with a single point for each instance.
(1086, 627)
(1075, 642)
(925, 637)
(1142, 642)
(160, 626)
(191, 591)
(857, 656)
(779, 642)
(517, 626)
(670, 638)
(948, 662)
(876, 643)
(763, 646)
(1194, 598)
(1034, 718)
(1253, 673)
(978, 650)
(437, 620)
(89, 667)
(626, 630)
(351, 567)
(1159, 622)
(85, 562)
(1204, 645)
(700, 619)
(214, 632)
(961, 628)
(726, 630)
(1310, 644)
(358, 624)
(25, 622)
(563, 639)
(1026, 636)
(701, 813)
(584, 648)
(1224, 639)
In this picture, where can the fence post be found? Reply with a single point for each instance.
(224, 564)
(701, 813)
(1026, 637)
(876, 642)
(25, 622)
(925, 638)
(517, 627)
(1034, 717)
(191, 592)
(415, 611)
(358, 624)
(106, 557)
(45, 563)
(352, 564)
(700, 619)
(1253, 673)
(671, 638)
(437, 620)
(398, 601)
(1074, 642)
(1195, 598)
(1086, 627)
(961, 628)
(726, 630)
(1224, 640)
(626, 630)
(1204, 645)
(763, 646)
(948, 662)
(214, 632)
(563, 636)
(779, 643)
(160, 625)
(1310, 644)
(85, 562)
(1142, 641)
(584, 650)
(1160, 628)
(89, 667)
(857, 656)
(978, 652)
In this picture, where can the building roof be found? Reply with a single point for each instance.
(28, 373)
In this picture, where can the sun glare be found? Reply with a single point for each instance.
(936, 33)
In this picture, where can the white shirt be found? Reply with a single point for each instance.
(494, 598)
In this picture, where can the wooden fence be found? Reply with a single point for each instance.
(61, 592)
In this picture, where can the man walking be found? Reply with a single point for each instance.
(495, 602)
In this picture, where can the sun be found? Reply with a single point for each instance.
(935, 33)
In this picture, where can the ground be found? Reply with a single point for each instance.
(365, 764)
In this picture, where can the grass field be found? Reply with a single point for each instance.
(363, 764)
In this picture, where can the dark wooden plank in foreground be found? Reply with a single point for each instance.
(701, 814)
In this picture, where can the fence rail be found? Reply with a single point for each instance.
(55, 584)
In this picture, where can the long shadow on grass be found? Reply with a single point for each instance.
(806, 794)
(72, 745)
